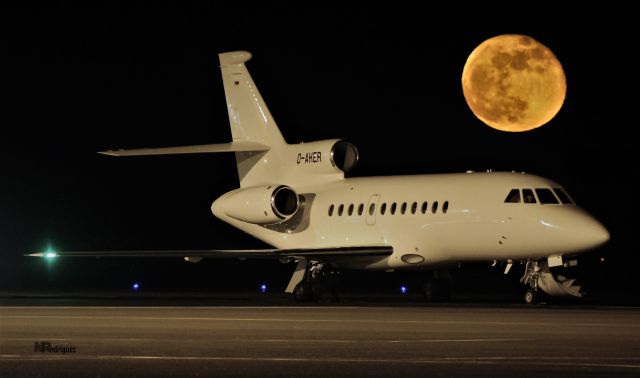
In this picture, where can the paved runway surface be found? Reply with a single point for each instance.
(266, 341)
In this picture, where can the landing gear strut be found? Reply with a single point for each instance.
(318, 283)
(530, 279)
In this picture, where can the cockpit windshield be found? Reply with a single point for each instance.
(544, 196)
(528, 196)
(513, 196)
(564, 197)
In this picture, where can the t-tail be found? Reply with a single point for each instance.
(263, 157)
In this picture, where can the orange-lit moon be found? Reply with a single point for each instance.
(513, 83)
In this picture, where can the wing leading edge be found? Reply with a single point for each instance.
(320, 253)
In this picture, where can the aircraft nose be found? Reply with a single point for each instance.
(580, 231)
(598, 233)
(592, 232)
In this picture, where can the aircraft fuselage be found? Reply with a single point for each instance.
(432, 220)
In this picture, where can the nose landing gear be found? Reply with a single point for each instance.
(530, 279)
(539, 279)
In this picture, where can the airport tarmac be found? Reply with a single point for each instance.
(320, 341)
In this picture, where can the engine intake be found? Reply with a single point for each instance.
(284, 201)
(329, 156)
(344, 155)
(259, 204)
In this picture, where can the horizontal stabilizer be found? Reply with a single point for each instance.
(198, 149)
(320, 253)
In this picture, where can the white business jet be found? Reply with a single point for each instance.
(295, 198)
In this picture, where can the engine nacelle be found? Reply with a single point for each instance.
(325, 156)
(260, 204)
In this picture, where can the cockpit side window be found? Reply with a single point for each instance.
(563, 196)
(546, 196)
(527, 195)
(513, 196)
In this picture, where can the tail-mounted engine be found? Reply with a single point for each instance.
(325, 156)
(259, 204)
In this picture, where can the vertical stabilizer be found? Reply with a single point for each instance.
(249, 117)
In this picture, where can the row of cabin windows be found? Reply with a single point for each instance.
(393, 208)
(545, 196)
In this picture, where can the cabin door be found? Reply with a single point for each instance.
(372, 209)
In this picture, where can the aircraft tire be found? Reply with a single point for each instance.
(303, 292)
(530, 297)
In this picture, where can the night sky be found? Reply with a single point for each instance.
(80, 80)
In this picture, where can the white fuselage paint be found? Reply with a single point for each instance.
(478, 224)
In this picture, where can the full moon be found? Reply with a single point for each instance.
(513, 83)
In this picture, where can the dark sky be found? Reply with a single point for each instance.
(79, 80)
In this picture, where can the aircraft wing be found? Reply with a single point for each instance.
(320, 253)
(198, 149)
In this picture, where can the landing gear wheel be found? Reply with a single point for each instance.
(326, 296)
(530, 297)
(303, 292)
(428, 290)
(319, 283)
(437, 291)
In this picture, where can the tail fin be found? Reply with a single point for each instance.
(249, 118)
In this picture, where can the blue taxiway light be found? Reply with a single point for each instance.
(263, 288)
(135, 286)
(403, 289)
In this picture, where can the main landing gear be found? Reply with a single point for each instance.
(437, 286)
(318, 282)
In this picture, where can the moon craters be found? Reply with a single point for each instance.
(513, 83)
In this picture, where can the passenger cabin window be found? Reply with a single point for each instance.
(351, 210)
(340, 209)
(393, 208)
(445, 207)
(331, 210)
(372, 209)
(546, 196)
(527, 195)
(562, 195)
(360, 209)
(403, 209)
(513, 196)
(383, 208)
(425, 207)
(434, 207)
(414, 207)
